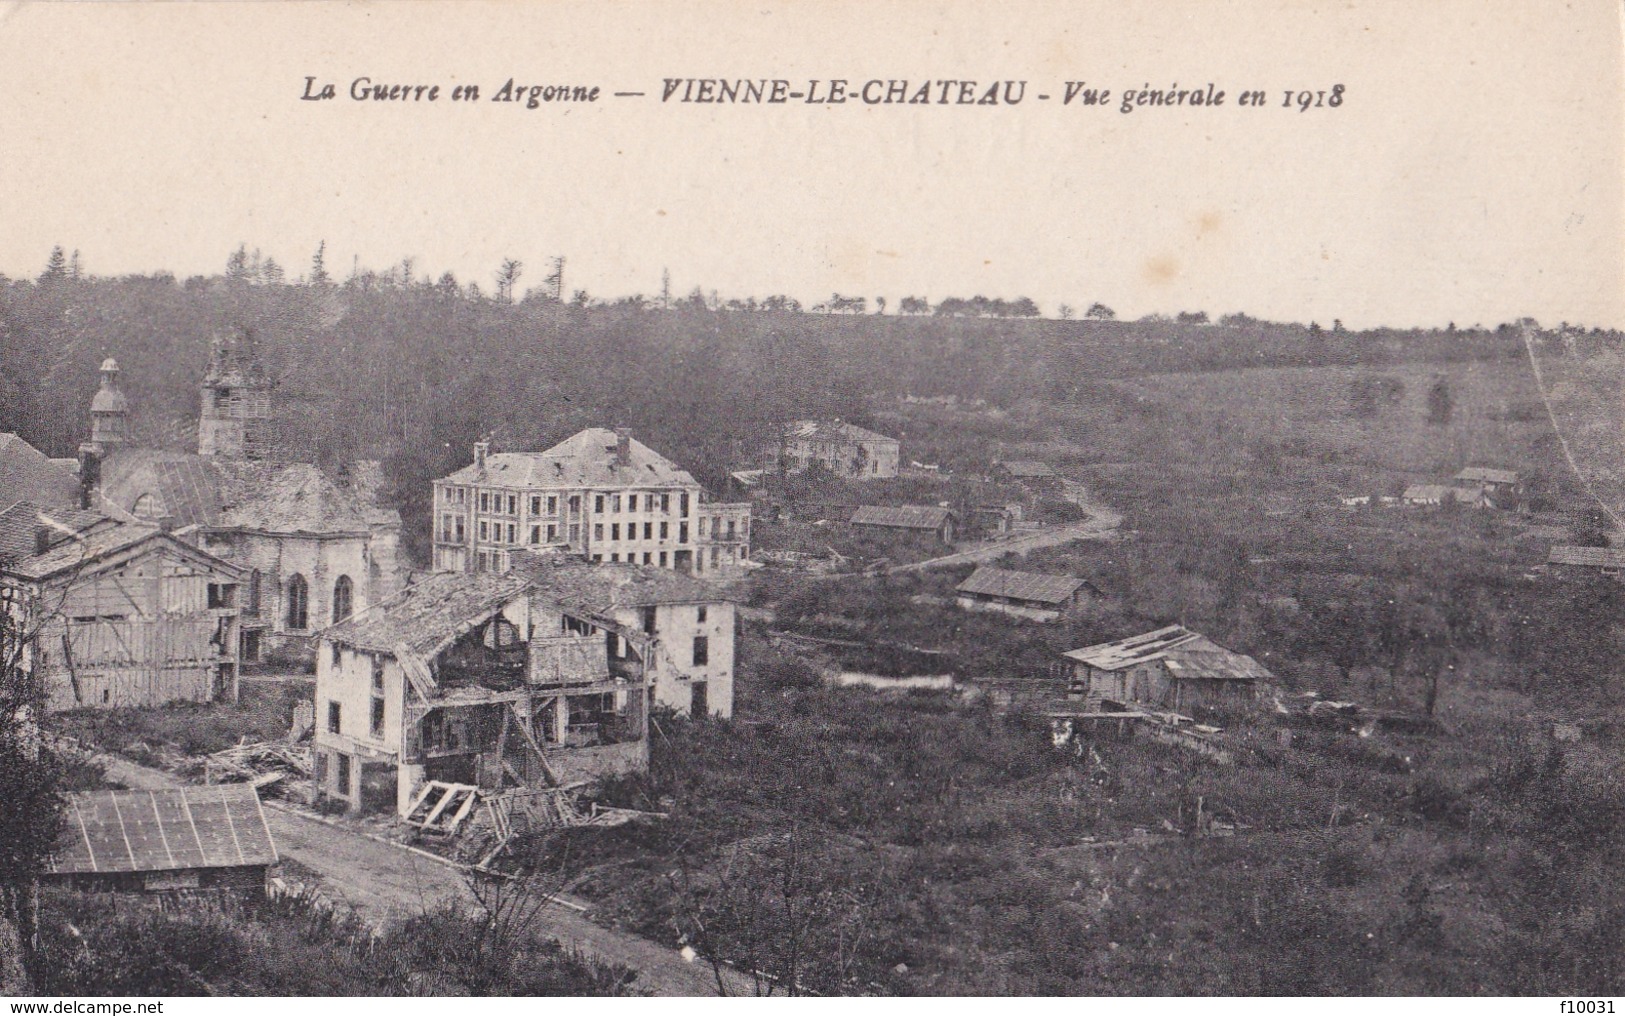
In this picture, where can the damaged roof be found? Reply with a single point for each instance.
(218, 826)
(1185, 653)
(1019, 585)
(200, 490)
(832, 431)
(908, 516)
(87, 549)
(426, 616)
(586, 459)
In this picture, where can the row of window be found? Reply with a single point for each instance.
(495, 502)
(632, 531)
(297, 600)
(612, 503)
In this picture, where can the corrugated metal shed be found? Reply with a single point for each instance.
(1587, 557)
(1019, 585)
(908, 516)
(220, 826)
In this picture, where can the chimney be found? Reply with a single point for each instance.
(42, 539)
(90, 473)
(623, 446)
(481, 448)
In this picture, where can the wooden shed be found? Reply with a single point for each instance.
(1170, 668)
(211, 839)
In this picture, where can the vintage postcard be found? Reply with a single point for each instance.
(829, 499)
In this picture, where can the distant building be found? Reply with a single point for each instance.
(1569, 560)
(1022, 594)
(1170, 668)
(1503, 486)
(124, 614)
(313, 547)
(939, 522)
(846, 450)
(530, 678)
(599, 494)
(1039, 475)
(210, 839)
(1434, 494)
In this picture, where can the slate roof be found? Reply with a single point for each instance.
(27, 474)
(1185, 653)
(586, 459)
(832, 431)
(426, 616)
(1481, 474)
(901, 516)
(1587, 557)
(1019, 585)
(1027, 469)
(219, 826)
(20, 522)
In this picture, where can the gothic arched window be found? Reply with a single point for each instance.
(298, 604)
(343, 598)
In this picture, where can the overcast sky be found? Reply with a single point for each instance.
(1474, 172)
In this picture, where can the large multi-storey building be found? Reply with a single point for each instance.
(847, 450)
(599, 494)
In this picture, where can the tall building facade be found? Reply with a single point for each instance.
(599, 494)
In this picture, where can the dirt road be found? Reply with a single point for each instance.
(384, 880)
(1101, 522)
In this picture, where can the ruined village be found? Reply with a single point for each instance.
(775, 655)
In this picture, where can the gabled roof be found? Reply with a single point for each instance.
(1021, 585)
(1587, 557)
(832, 431)
(27, 474)
(427, 616)
(88, 552)
(1481, 474)
(909, 516)
(1028, 469)
(1185, 653)
(586, 459)
(20, 523)
(219, 826)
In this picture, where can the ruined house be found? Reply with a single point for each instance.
(121, 614)
(1170, 668)
(846, 450)
(1022, 594)
(534, 677)
(210, 839)
(599, 494)
(1503, 487)
(314, 547)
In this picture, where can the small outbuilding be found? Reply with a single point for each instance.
(1022, 594)
(210, 839)
(917, 518)
(1570, 560)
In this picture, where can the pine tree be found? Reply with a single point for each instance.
(74, 269)
(56, 267)
(318, 266)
